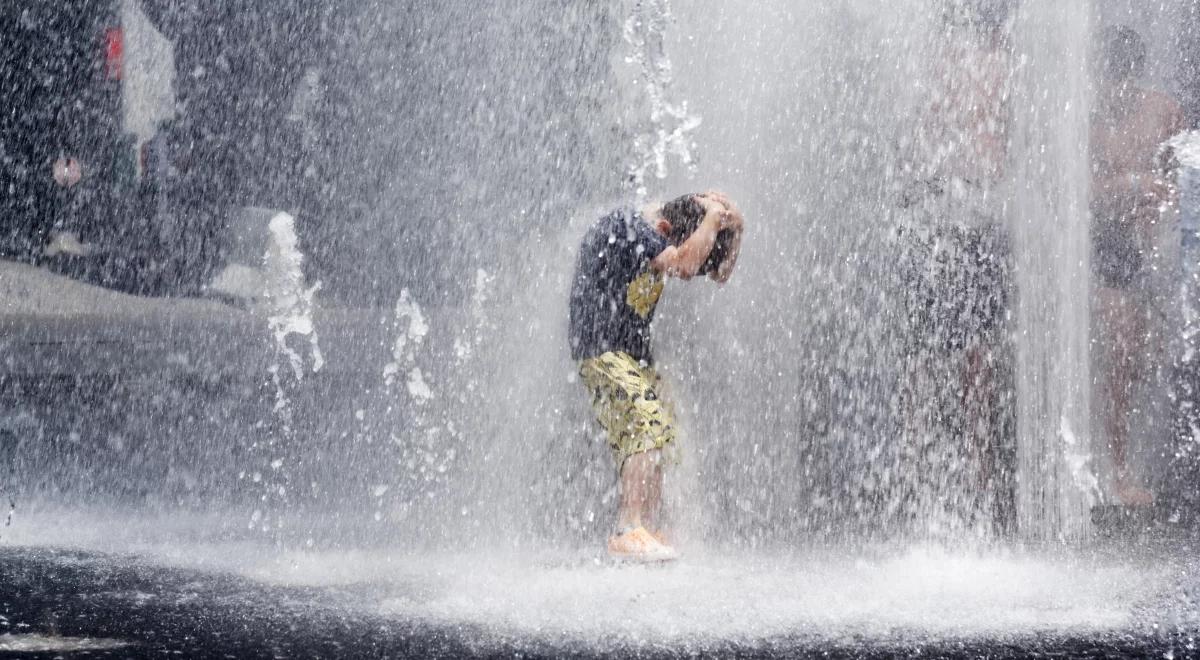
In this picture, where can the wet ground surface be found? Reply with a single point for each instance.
(158, 610)
(66, 603)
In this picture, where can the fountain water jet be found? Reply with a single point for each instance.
(1055, 480)
(288, 304)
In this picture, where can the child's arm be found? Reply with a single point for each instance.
(685, 261)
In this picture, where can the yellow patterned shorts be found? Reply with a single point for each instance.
(627, 403)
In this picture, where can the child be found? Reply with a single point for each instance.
(623, 260)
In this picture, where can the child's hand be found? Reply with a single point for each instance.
(718, 197)
(710, 204)
(732, 217)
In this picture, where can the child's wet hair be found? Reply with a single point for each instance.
(1122, 52)
(685, 213)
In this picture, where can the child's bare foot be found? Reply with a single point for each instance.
(662, 537)
(640, 546)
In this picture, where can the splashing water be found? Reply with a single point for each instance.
(288, 301)
(467, 428)
(670, 124)
(1186, 149)
(288, 305)
(410, 329)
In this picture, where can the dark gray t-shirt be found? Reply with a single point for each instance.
(615, 291)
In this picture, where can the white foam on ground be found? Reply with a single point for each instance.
(718, 598)
(705, 597)
(32, 643)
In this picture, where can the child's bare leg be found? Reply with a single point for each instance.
(978, 391)
(1125, 351)
(641, 488)
(652, 506)
(1129, 489)
(1121, 381)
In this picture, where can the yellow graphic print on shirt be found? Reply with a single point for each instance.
(643, 292)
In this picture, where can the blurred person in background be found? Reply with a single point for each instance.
(1131, 192)
(955, 246)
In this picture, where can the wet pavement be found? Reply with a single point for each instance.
(157, 611)
(67, 603)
